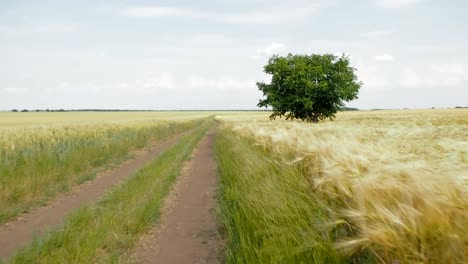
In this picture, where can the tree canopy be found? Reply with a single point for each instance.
(308, 87)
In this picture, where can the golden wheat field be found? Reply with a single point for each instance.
(47, 119)
(367, 187)
(395, 181)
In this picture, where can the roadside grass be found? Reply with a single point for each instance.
(107, 231)
(37, 163)
(266, 208)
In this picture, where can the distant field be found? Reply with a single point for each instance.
(371, 186)
(10, 119)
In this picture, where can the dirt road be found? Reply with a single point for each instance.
(17, 234)
(188, 232)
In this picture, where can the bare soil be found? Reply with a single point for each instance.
(188, 231)
(18, 233)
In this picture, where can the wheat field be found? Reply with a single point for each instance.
(392, 185)
(43, 154)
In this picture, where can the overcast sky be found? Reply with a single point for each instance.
(209, 54)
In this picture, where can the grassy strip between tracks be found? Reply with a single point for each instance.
(266, 208)
(107, 231)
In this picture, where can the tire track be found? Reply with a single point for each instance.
(188, 232)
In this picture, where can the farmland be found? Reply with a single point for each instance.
(108, 231)
(44, 154)
(237, 132)
(378, 186)
(367, 187)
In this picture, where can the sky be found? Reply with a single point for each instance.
(200, 54)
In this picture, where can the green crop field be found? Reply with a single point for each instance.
(107, 231)
(43, 154)
(367, 187)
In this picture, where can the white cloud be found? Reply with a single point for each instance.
(372, 77)
(93, 88)
(449, 68)
(411, 79)
(154, 11)
(396, 3)
(209, 40)
(40, 28)
(443, 75)
(277, 13)
(96, 54)
(440, 48)
(377, 33)
(14, 90)
(55, 28)
(148, 84)
(270, 49)
(451, 74)
(122, 86)
(223, 83)
(384, 57)
(152, 83)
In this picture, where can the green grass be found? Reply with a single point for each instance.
(38, 163)
(266, 208)
(107, 231)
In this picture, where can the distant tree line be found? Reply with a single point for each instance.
(39, 110)
(137, 110)
(126, 110)
(193, 110)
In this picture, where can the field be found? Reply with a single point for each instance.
(39, 161)
(378, 186)
(368, 187)
(39, 119)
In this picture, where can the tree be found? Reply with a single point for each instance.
(308, 87)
